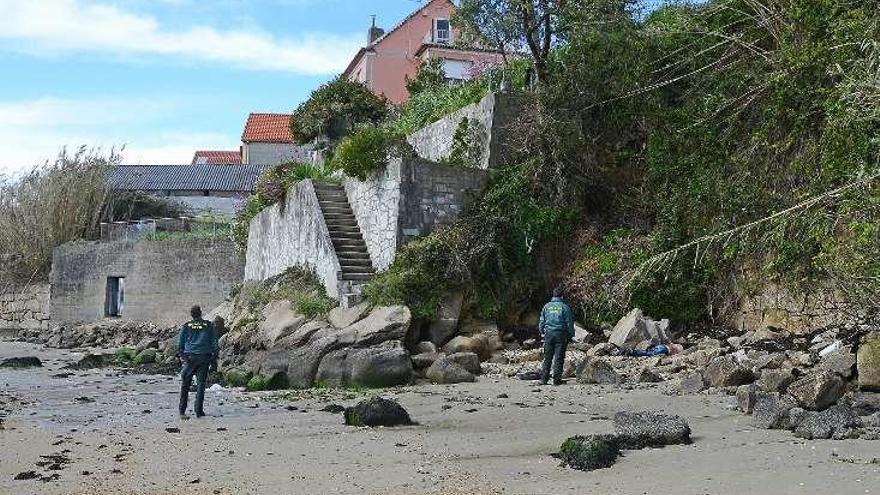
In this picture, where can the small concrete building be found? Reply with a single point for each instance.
(204, 190)
(267, 139)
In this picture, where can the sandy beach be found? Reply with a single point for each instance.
(105, 431)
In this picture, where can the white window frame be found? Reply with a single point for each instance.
(435, 31)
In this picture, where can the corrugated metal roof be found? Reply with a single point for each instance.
(241, 178)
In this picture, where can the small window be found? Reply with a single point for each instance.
(442, 35)
(206, 193)
(115, 297)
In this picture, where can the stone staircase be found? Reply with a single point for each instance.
(351, 250)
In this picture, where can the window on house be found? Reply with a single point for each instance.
(206, 193)
(115, 296)
(442, 34)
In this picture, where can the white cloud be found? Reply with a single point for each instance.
(32, 132)
(64, 26)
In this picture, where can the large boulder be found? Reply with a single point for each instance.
(818, 391)
(304, 361)
(384, 365)
(726, 371)
(279, 321)
(445, 326)
(771, 411)
(868, 362)
(445, 370)
(776, 380)
(842, 363)
(425, 359)
(342, 317)
(467, 360)
(599, 371)
(629, 330)
(838, 422)
(692, 383)
(637, 430)
(382, 324)
(746, 395)
(377, 411)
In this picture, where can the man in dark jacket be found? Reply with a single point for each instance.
(557, 328)
(198, 348)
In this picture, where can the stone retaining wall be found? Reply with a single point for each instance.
(25, 308)
(292, 234)
(492, 122)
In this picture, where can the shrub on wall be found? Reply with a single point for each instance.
(367, 149)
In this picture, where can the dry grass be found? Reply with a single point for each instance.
(50, 205)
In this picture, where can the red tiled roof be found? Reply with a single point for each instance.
(217, 157)
(267, 128)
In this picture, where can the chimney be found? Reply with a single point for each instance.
(374, 33)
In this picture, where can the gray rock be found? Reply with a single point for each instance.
(279, 321)
(595, 370)
(629, 330)
(377, 411)
(580, 333)
(775, 380)
(304, 361)
(647, 375)
(425, 359)
(866, 403)
(21, 362)
(425, 346)
(868, 362)
(637, 430)
(771, 411)
(842, 363)
(838, 422)
(382, 324)
(467, 360)
(384, 365)
(692, 384)
(342, 317)
(445, 326)
(818, 391)
(446, 371)
(725, 371)
(745, 397)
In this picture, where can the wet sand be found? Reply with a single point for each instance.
(112, 426)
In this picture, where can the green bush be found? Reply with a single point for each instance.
(125, 355)
(259, 382)
(236, 378)
(298, 285)
(366, 151)
(334, 110)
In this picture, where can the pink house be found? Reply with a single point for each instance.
(389, 58)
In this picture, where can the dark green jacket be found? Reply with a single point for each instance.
(556, 317)
(198, 337)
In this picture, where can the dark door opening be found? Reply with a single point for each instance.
(115, 298)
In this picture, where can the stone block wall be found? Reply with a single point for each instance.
(800, 312)
(292, 234)
(274, 153)
(408, 199)
(376, 204)
(25, 308)
(162, 279)
(492, 119)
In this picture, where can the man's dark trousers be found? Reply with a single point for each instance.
(555, 344)
(194, 364)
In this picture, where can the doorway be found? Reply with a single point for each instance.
(115, 296)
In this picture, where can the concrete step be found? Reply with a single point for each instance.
(344, 229)
(353, 254)
(337, 210)
(348, 244)
(365, 277)
(346, 262)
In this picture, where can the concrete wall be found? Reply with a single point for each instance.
(162, 278)
(25, 308)
(799, 312)
(408, 199)
(274, 153)
(492, 121)
(292, 234)
(376, 204)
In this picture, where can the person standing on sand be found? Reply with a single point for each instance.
(557, 328)
(198, 349)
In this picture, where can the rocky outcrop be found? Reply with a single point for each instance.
(446, 370)
(818, 391)
(385, 365)
(635, 328)
(640, 429)
(869, 362)
(598, 371)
